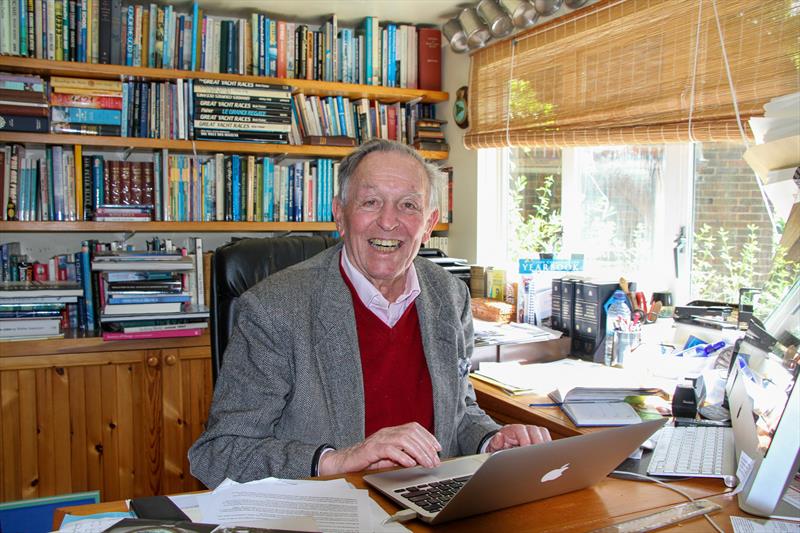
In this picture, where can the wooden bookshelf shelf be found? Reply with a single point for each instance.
(176, 227)
(77, 343)
(44, 67)
(189, 146)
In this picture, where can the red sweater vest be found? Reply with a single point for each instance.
(397, 385)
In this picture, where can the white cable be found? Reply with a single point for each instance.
(403, 515)
(670, 487)
(730, 78)
(760, 185)
(694, 68)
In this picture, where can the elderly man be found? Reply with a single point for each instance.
(357, 358)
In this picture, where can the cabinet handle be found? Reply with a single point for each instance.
(171, 360)
(152, 361)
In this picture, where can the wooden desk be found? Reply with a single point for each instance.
(507, 409)
(610, 501)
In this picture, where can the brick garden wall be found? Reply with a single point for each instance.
(726, 195)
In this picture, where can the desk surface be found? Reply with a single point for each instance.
(609, 502)
(507, 409)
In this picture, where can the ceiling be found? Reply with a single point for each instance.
(349, 12)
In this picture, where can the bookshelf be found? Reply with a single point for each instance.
(81, 413)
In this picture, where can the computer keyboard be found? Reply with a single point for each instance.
(433, 496)
(693, 452)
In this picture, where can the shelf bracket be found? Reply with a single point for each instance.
(127, 235)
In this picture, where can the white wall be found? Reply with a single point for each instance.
(462, 242)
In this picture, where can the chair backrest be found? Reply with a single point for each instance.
(242, 263)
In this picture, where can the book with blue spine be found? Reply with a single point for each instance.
(86, 281)
(269, 190)
(196, 23)
(86, 115)
(97, 180)
(236, 189)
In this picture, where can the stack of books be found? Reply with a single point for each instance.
(23, 103)
(35, 309)
(150, 294)
(429, 135)
(241, 111)
(86, 106)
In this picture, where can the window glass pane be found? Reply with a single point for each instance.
(535, 202)
(735, 242)
(617, 191)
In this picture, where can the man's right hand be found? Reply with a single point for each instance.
(406, 445)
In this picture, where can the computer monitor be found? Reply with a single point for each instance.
(764, 402)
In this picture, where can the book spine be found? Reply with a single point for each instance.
(23, 123)
(163, 334)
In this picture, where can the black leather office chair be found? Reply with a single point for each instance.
(237, 266)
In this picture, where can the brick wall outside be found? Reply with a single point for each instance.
(726, 195)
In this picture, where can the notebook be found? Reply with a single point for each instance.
(478, 484)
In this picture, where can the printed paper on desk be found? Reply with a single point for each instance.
(334, 507)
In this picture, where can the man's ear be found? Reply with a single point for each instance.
(338, 214)
(433, 218)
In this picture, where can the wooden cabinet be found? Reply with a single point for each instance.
(83, 414)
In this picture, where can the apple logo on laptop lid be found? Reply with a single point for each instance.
(555, 473)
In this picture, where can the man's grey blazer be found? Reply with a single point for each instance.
(291, 377)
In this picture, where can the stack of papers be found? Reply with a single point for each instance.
(294, 505)
(569, 380)
(489, 333)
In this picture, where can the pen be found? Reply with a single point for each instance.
(551, 404)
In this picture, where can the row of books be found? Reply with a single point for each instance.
(361, 120)
(225, 110)
(249, 188)
(106, 31)
(121, 293)
(56, 183)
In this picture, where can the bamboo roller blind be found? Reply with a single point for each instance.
(621, 71)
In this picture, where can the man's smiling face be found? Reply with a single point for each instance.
(385, 218)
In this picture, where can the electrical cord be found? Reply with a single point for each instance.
(403, 515)
(670, 487)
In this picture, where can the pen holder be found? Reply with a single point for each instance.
(622, 345)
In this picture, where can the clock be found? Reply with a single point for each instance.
(460, 108)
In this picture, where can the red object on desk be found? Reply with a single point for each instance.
(641, 301)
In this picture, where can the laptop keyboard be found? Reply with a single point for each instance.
(433, 496)
(692, 451)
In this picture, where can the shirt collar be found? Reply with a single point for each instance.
(369, 294)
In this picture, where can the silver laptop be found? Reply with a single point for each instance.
(478, 484)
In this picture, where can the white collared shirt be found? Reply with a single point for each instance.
(388, 312)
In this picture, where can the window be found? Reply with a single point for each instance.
(680, 217)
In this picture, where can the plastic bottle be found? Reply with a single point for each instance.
(615, 307)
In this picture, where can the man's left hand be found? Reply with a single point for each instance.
(514, 435)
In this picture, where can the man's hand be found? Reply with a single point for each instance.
(406, 445)
(514, 435)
